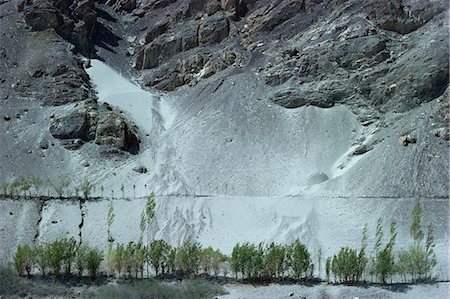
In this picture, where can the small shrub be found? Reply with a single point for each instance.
(188, 257)
(42, 257)
(24, 260)
(60, 186)
(81, 257)
(86, 188)
(93, 259)
(117, 259)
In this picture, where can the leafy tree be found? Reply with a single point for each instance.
(157, 254)
(70, 246)
(56, 255)
(218, 261)
(139, 259)
(415, 228)
(418, 261)
(117, 259)
(171, 260)
(188, 257)
(93, 259)
(24, 259)
(275, 260)
(301, 260)
(328, 269)
(129, 258)
(206, 258)
(431, 260)
(42, 257)
(81, 257)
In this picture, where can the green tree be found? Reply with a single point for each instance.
(70, 246)
(56, 255)
(117, 259)
(328, 269)
(188, 257)
(301, 260)
(418, 260)
(275, 260)
(416, 228)
(93, 259)
(24, 259)
(81, 257)
(41, 254)
(157, 254)
(109, 221)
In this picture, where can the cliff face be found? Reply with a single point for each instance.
(304, 89)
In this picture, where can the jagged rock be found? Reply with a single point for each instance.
(113, 131)
(196, 6)
(442, 133)
(126, 5)
(294, 98)
(212, 7)
(156, 4)
(237, 8)
(213, 29)
(362, 149)
(154, 30)
(74, 20)
(407, 139)
(74, 125)
(162, 48)
(140, 169)
(43, 144)
(281, 12)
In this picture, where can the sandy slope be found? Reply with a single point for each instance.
(251, 162)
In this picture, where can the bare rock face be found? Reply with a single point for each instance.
(113, 131)
(74, 20)
(77, 124)
(213, 29)
(125, 5)
(295, 98)
(237, 8)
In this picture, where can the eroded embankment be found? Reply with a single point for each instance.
(221, 222)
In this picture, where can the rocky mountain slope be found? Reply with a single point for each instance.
(342, 101)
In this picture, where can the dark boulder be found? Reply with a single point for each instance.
(213, 29)
(113, 131)
(76, 124)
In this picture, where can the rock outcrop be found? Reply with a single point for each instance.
(113, 131)
(74, 20)
(77, 124)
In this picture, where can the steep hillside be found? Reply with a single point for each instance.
(250, 120)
